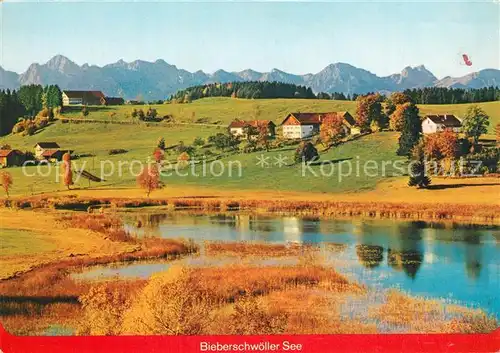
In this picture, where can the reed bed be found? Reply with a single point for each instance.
(231, 299)
(244, 249)
(473, 214)
(37, 294)
(419, 315)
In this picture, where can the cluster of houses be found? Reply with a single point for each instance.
(72, 98)
(296, 125)
(305, 125)
(43, 151)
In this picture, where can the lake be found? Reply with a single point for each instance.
(459, 264)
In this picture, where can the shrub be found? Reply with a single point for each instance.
(171, 304)
(103, 308)
(489, 159)
(41, 122)
(18, 128)
(85, 111)
(306, 152)
(117, 151)
(198, 142)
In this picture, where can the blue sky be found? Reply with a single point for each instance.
(297, 37)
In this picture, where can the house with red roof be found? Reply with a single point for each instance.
(9, 158)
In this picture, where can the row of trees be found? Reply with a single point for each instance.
(443, 95)
(28, 101)
(257, 89)
(11, 109)
(250, 90)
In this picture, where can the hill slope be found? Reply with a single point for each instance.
(224, 110)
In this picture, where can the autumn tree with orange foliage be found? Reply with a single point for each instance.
(370, 109)
(67, 172)
(441, 145)
(7, 181)
(158, 155)
(149, 178)
(397, 117)
(332, 130)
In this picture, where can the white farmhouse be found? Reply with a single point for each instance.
(437, 123)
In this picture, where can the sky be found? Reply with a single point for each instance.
(296, 37)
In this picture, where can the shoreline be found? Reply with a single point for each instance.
(472, 214)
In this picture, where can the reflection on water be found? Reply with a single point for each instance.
(458, 263)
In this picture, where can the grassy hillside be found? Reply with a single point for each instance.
(224, 110)
(139, 139)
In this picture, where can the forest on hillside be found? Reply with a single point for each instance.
(269, 90)
(250, 90)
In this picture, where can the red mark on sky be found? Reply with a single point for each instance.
(466, 60)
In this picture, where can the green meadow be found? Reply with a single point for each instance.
(223, 110)
(93, 141)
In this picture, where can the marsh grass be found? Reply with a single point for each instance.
(230, 299)
(419, 315)
(36, 295)
(473, 214)
(244, 249)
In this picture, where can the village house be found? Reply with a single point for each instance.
(41, 147)
(70, 98)
(303, 125)
(440, 122)
(239, 128)
(49, 151)
(9, 158)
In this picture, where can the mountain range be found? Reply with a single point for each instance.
(158, 80)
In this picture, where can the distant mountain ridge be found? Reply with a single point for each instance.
(158, 79)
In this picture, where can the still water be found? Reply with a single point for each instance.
(456, 263)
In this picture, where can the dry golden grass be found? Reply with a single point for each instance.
(28, 320)
(315, 312)
(46, 227)
(32, 315)
(472, 200)
(244, 249)
(228, 283)
(418, 315)
(37, 293)
(481, 190)
(224, 300)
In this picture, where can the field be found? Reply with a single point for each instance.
(34, 239)
(223, 110)
(93, 141)
(98, 139)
